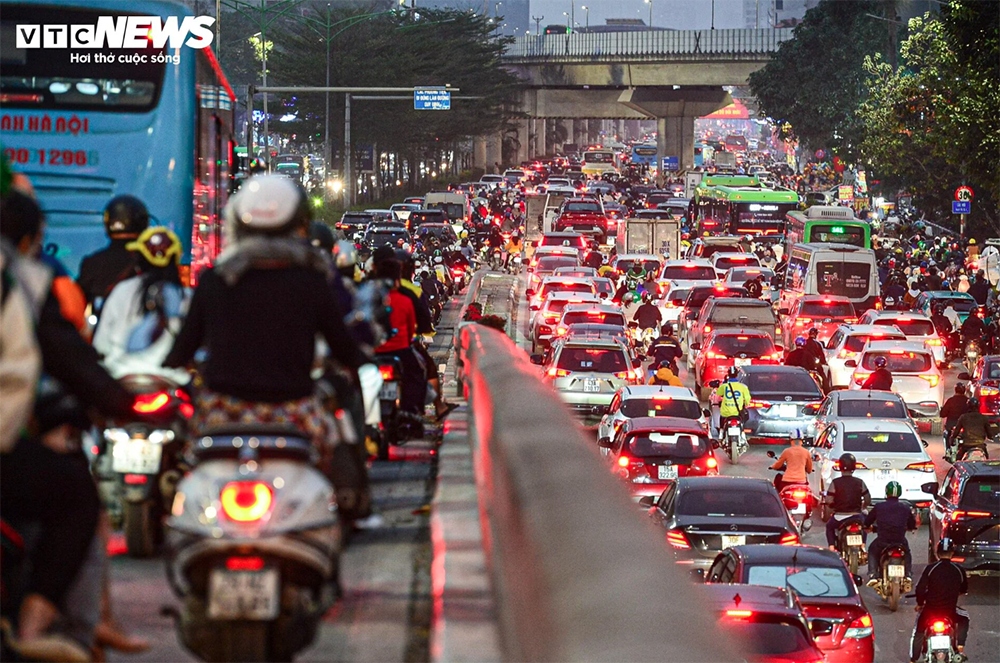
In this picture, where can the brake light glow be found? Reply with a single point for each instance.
(708, 328)
(760, 404)
(800, 494)
(245, 563)
(989, 391)
(789, 539)
(711, 463)
(802, 322)
(846, 354)
(935, 342)
(939, 626)
(932, 380)
(854, 528)
(739, 614)
(623, 461)
(388, 372)
(150, 403)
(136, 479)
(558, 373)
(860, 628)
(678, 539)
(246, 501)
(958, 514)
(836, 466)
(926, 466)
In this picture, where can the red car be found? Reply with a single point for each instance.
(732, 347)
(985, 383)
(824, 312)
(647, 452)
(823, 585)
(585, 216)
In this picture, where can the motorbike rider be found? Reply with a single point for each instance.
(973, 329)
(665, 347)
(648, 315)
(734, 397)
(972, 429)
(800, 356)
(937, 592)
(514, 246)
(143, 313)
(953, 408)
(881, 378)
(796, 461)
(847, 497)
(892, 520)
(755, 286)
(665, 375)
(941, 322)
(124, 218)
(980, 288)
(634, 276)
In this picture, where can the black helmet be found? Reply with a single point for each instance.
(125, 217)
(321, 236)
(945, 546)
(848, 463)
(407, 262)
(880, 362)
(960, 389)
(813, 332)
(973, 404)
(732, 373)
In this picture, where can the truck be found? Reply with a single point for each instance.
(725, 160)
(659, 236)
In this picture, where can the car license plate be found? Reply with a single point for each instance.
(136, 456)
(799, 508)
(730, 540)
(734, 430)
(389, 391)
(743, 362)
(896, 571)
(243, 594)
(666, 471)
(884, 474)
(938, 642)
(786, 410)
(854, 540)
(592, 385)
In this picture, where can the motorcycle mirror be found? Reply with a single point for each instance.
(646, 501)
(537, 359)
(858, 580)
(716, 444)
(771, 454)
(782, 311)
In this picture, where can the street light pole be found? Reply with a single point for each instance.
(713, 14)
(537, 20)
(327, 151)
(572, 14)
(650, 3)
(586, 9)
(348, 184)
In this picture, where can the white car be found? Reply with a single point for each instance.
(847, 342)
(916, 326)
(690, 269)
(723, 261)
(674, 295)
(543, 322)
(915, 375)
(649, 401)
(886, 450)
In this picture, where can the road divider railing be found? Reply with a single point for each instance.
(578, 572)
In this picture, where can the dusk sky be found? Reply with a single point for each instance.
(678, 14)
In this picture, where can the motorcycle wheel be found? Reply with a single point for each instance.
(852, 560)
(894, 595)
(140, 524)
(242, 641)
(734, 450)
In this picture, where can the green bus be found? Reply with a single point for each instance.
(739, 205)
(827, 223)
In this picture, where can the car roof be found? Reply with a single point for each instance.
(947, 294)
(560, 234)
(602, 339)
(736, 330)
(732, 254)
(863, 395)
(739, 301)
(871, 329)
(770, 369)
(662, 423)
(647, 390)
(566, 280)
(903, 315)
(979, 467)
(570, 295)
(728, 483)
(824, 298)
(595, 306)
(887, 346)
(864, 424)
(702, 262)
(759, 598)
(639, 256)
(764, 553)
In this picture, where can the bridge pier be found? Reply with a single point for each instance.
(479, 154)
(494, 153)
(675, 138)
(538, 138)
(523, 139)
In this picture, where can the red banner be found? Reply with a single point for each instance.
(734, 111)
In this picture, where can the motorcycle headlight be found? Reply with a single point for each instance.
(114, 435)
(161, 436)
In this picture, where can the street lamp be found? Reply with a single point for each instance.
(650, 3)
(537, 20)
(586, 9)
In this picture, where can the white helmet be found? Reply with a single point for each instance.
(345, 254)
(267, 205)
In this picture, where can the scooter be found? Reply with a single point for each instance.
(941, 643)
(798, 499)
(731, 430)
(971, 356)
(893, 581)
(253, 545)
(851, 546)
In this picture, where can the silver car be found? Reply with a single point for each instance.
(782, 400)
(840, 405)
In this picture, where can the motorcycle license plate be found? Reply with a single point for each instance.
(897, 571)
(666, 472)
(251, 595)
(799, 508)
(389, 391)
(939, 642)
(136, 456)
(730, 540)
(854, 539)
(733, 430)
(592, 385)
(743, 362)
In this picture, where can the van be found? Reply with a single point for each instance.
(456, 206)
(730, 313)
(823, 268)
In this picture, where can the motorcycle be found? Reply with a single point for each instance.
(798, 499)
(893, 580)
(851, 546)
(735, 437)
(144, 457)
(390, 369)
(971, 355)
(940, 642)
(253, 545)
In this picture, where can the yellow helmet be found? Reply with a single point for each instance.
(972, 241)
(158, 245)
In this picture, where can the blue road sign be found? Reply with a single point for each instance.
(432, 99)
(671, 163)
(961, 207)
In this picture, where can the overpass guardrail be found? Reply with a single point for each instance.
(649, 45)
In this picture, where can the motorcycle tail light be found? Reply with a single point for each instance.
(800, 495)
(939, 626)
(854, 528)
(151, 403)
(136, 479)
(246, 501)
(245, 563)
(388, 372)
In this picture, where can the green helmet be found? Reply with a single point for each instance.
(893, 489)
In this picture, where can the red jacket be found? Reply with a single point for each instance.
(404, 321)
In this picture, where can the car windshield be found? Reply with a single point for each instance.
(805, 580)
(857, 343)
(582, 207)
(899, 361)
(379, 239)
(798, 384)
(751, 346)
(909, 326)
(557, 305)
(875, 442)
(651, 266)
(677, 296)
(742, 274)
(675, 445)
(718, 502)
(699, 296)
(960, 304)
(765, 636)
(549, 263)
(598, 317)
(594, 360)
(982, 493)
(828, 309)
(878, 408)
(575, 241)
(661, 406)
(742, 261)
(689, 272)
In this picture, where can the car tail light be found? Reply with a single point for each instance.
(558, 373)
(939, 626)
(245, 563)
(936, 342)
(850, 321)
(989, 391)
(246, 501)
(739, 614)
(926, 466)
(932, 380)
(760, 404)
(561, 331)
(708, 328)
(550, 315)
(846, 354)
(388, 372)
(789, 539)
(678, 539)
(860, 377)
(958, 514)
(150, 403)
(802, 322)
(836, 466)
(860, 628)
(715, 355)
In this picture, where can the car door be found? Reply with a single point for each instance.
(824, 414)
(943, 504)
(606, 426)
(663, 510)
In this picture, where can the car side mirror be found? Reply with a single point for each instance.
(530, 291)
(851, 363)
(714, 384)
(779, 348)
(696, 346)
(697, 574)
(821, 627)
(706, 412)
(645, 500)
(693, 316)
(782, 311)
(605, 443)
(931, 487)
(964, 375)
(537, 359)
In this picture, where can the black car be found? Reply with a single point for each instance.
(966, 508)
(382, 235)
(354, 223)
(422, 216)
(705, 515)
(783, 399)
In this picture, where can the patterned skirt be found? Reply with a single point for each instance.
(214, 410)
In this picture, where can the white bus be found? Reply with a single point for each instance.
(831, 269)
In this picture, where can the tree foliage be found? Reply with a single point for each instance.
(932, 124)
(815, 82)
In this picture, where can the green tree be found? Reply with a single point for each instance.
(932, 124)
(813, 86)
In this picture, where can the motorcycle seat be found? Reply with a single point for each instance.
(263, 441)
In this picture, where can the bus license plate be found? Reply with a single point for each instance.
(389, 391)
(592, 385)
(730, 540)
(136, 456)
(940, 642)
(897, 571)
(854, 540)
(666, 472)
(243, 594)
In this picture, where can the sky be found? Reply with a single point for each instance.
(677, 14)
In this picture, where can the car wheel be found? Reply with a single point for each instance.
(931, 548)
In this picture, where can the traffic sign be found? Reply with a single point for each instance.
(964, 193)
(845, 192)
(961, 207)
(671, 163)
(431, 99)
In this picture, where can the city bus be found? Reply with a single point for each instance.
(644, 154)
(826, 223)
(739, 205)
(704, 154)
(156, 123)
(599, 161)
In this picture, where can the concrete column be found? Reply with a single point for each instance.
(633, 128)
(662, 146)
(539, 139)
(580, 131)
(523, 138)
(568, 126)
(494, 145)
(620, 129)
(479, 153)
(675, 138)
